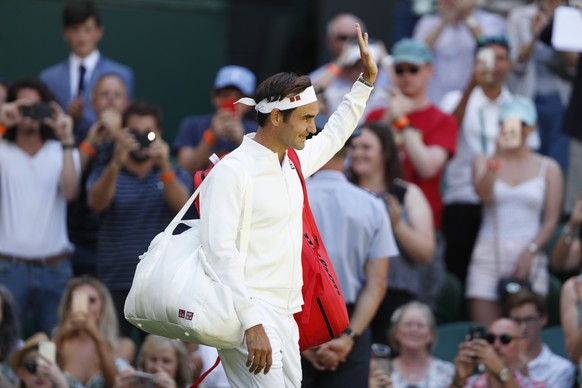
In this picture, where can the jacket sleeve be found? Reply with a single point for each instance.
(222, 198)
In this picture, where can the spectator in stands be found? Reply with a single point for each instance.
(39, 171)
(137, 193)
(220, 132)
(375, 166)
(72, 81)
(357, 236)
(452, 35)
(34, 370)
(109, 100)
(522, 193)
(499, 353)
(92, 353)
(9, 335)
(476, 109)
(528, 310)
(165, 361)
(567, 254)
(542, 74)
(571, 316)
(412, 335)
(425, 135)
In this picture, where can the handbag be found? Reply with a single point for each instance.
(175, 292)
(324, 315)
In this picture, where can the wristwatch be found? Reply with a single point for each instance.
(504, 375)
(363, 80)
(533, 248)
(351, 333)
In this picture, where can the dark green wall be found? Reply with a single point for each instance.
(173, 46)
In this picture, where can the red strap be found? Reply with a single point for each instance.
(199, 381)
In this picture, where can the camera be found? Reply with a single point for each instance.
(144, 139)
(475, 332)
(38, 111)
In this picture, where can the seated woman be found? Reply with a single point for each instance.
(162, 362)
(522, 193)
(567, 253)
(87, 336)
(412, 335)
(375, 166)
(34, 370)
(9, 335)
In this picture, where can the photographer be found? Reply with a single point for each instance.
(39, 174)
(498, 351)
(137, 192)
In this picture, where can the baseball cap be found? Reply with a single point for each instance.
(520, 107)
(411, 51)
(236, 76)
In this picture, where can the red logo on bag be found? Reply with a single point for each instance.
(189, 315)
(181, 313)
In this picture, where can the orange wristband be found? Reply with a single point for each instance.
(334, 69)
(168, 177)
(401, 123)
(209, 137)
(493, 164)
(87, 148)
(2, 130)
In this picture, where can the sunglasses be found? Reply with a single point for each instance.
(403, 69)
(505, 339)
(30, 366)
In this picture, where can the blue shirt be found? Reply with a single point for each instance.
(137, 213)
(354, 226)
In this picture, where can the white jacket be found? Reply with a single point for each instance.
(272, 270)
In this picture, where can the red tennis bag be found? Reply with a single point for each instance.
(324, 315)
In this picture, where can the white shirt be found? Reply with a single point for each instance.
(272, 270)
(33, 213)
(90, 62)
(551, 369)
(478, 135)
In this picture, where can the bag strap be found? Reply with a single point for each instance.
(201, 378)
(292, 155)
(244, 234)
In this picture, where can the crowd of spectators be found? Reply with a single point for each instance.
(464, 166)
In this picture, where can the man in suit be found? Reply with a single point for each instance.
(72, 81)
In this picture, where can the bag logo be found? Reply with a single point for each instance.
(321, 260)
(189, 315)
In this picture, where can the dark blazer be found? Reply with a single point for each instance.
(58, 80)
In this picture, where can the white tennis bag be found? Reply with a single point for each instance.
(175, 292)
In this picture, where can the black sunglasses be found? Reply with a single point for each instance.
(403, 69)
(30, 366)
(504, 338)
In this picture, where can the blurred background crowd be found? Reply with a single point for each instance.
(468, 153)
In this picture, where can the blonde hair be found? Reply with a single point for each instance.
(153, 342)
(397, 318)
(108, 323)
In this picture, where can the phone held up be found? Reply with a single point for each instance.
(486, 55)
(80, 302)
(475, 332)
(510, 135)
(48, 350)
(39, 111)
(228, 104)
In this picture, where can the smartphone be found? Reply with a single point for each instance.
(476, 331)
(228, 105)
(510, 136)
(141, 379)
(38, 111)
(486, 55)
(48, 350)
(80, 302)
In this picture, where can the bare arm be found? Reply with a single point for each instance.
(69, 180)
(569, 299)
(417, 237)
(567, 254)
(552, 208)
(426, 160)
(483, 178)
(175, 192)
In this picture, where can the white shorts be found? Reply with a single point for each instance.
(286, 368)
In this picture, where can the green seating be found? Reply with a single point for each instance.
(449, 336)
(554, 338)
(449, 305)
(553, 301)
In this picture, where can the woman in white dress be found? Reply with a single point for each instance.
(522, 193)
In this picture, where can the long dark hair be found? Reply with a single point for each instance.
(392, 165)
(9, 326)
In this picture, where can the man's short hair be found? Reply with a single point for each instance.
(143, 108)
(78, 12)
(276, 88)
(524, 296)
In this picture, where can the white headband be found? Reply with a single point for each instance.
(264, 106)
